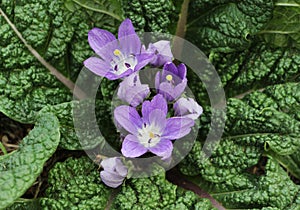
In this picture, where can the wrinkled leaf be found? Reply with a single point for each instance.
(19, 169)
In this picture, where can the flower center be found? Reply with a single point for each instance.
(121, 63)
(169, 77)
(149, 136)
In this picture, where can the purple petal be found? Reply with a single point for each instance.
(111, 179)
(167, 90)
(181, 71)
(163, 149)
(157, 118)
(121, 168)
(177, 127)
(132, 91)
(112, 76)
(102, 42)
(187, 107)
(126, 28)
(129, 41)
(128, 118)
(157, 80)
(158, 102)
(97, 66)
(179, 89)
(163, 50)
(170, 67)
(131, 147)
(143, 59)
(109, 164)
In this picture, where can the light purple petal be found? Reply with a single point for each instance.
(97, 66)
(163, 149)
(179, 89)
(158, 102)
(129, 41)
(187, 107)
(121, 168)
(177, 127)
(102, 42)
(157, 118)
(111, 179)
(132, 91)
(126, 28)
(167, 90)
(128, 118)
(157, 80)
(143, 59)
(162, 50)
(109, 164)
(132, 148)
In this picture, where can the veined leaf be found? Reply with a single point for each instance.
(19, 169)
(284, 28)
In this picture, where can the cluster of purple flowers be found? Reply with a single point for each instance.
(145, 124)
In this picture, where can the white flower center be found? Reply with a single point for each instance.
(149, 135)
(121, 64)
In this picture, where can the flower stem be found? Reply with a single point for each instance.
(3, 148)
(68, 83)
(181, 28)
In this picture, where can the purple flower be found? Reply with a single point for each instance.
(153, 131)
(162, 52)
(119, 57)
(187, 107)
(132, 91)
(114, 171)
(172, 81)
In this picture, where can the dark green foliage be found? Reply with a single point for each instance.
(150, 16)
(228, 25)
(284, 28)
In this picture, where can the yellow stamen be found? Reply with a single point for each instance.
(117, 52)
(151, 135)
(169, 77)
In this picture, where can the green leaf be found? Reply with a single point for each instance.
(19, 169)
(226, 26)
(256, 68)
(75, 183)
(24, 92)
(262, 121)
(284, 28)
(275, 189)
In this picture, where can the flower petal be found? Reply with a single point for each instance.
(170, 67)
(109, 164)
(102, 42)
(111, 179)
(163, 149)
(97, 66)
(181, 71)
(177, 127)
(132, 148)
(157, 80)
(143, 59)
(121, 168)
(158, 120)
(158, 102)
(163, 53)
(129, 41)
(128, 118)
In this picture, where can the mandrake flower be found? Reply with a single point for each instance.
(171, 82)
(118, 57)
(187, 107)
(161, 52)
(114, 171)
(132, 91)
(153, 131)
